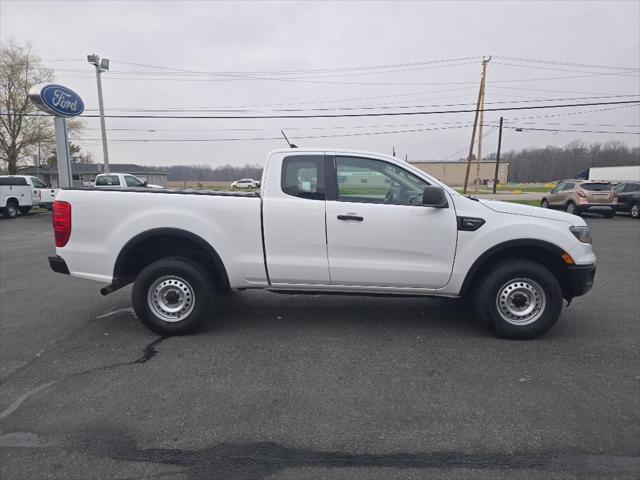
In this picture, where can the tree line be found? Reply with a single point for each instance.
(555, 163)
(204, 173)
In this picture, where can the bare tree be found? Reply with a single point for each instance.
(22, 131)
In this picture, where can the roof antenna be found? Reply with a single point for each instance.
(291, 145)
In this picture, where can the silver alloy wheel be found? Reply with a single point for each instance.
(635, 210)
(570, 207)
(171, 298)
(545, 204)
(521, 301)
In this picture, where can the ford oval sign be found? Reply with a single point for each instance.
(56, 99)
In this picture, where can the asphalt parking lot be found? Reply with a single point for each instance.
(284, 387)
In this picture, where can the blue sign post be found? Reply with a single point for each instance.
(63, 103)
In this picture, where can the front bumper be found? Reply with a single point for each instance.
(58, 265)
(580, 280)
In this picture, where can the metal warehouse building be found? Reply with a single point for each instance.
(83, 173)
(452, 173)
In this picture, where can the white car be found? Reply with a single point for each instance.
(326, 221)
(245, 183)
(121, 180)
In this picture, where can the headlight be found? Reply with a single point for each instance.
(582, 233)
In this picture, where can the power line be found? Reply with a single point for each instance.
(570, 64)
(365, 107)
(202, 140)
(535, 67)
(571, 130)
(366, 114)
(295, 72)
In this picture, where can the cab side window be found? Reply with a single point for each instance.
(303, 176)
(37, 183)
(132, 181)
(367, 180)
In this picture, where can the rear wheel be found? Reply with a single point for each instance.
(11, 210)
(24, 210)
(635, 210)
(519, 299)
(172, 296)
(544, 203)
(572, 209)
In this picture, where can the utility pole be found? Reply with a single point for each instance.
(480, 125)
(101, 66)
(475, 122)
(495, 177)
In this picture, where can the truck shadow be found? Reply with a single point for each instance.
(257, 309)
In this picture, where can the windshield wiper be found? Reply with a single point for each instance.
(475, 199)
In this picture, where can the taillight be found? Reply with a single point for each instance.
(581, 194)
(61, 220)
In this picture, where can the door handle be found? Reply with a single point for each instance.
(350, 217)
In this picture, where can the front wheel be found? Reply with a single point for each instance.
(544, 203)
(519, 299)
(172, 296)
(635, 211)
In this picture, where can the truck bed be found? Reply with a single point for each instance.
(104, 220)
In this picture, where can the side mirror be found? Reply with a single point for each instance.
(145, 184)
(433, 196)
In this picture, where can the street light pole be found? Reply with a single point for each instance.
(101, 65)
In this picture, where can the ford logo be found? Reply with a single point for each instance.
(56, 99)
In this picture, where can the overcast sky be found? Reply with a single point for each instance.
(248, 50)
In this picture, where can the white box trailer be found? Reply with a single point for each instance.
(615, 174)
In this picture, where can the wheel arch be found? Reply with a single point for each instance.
(541, 251)
(157, 243)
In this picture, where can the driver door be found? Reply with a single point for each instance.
(378, 232)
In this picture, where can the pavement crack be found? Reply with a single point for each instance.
(147, 354)
(149, 351)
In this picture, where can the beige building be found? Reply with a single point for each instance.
(452, 173)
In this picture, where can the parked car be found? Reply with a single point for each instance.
(311, 230)
(578, 196)
(121, 180)
(245, 183)
(628, 198)
(20, 193)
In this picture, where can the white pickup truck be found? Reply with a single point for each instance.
(326, 221)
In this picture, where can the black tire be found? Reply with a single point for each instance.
(24, 210)
(544, 203)
(235, 187)
(11, 210)
(609, 213)
(635, 210)
(572, 209)
(520, 275)
(190, 282)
